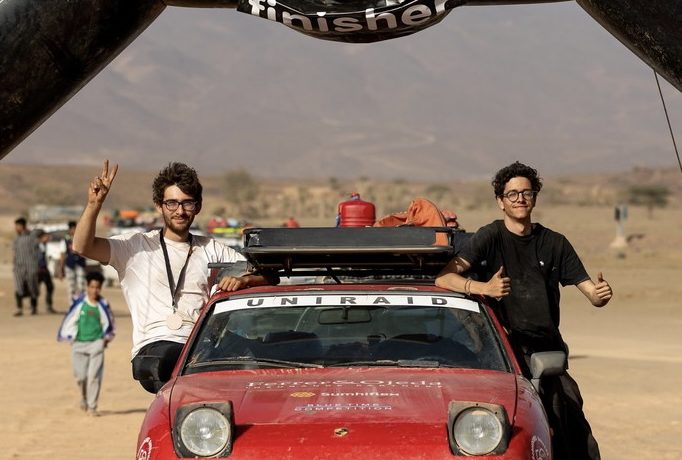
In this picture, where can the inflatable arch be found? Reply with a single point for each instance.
(49, 49)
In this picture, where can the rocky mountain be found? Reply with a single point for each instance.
(219, 89)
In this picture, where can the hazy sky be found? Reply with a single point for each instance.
(219, 89)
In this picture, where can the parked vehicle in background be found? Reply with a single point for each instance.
(231, 236)
(43, 214)
(54, 220)
(55, 244)
(374, 361)
(126, 221)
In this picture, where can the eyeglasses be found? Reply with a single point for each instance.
(187, 205)
(513, 195)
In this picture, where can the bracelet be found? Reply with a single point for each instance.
(467, 287)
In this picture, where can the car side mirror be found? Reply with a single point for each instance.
(546, 364)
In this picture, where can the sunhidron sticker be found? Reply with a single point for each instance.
(145, 450)
(538, 449)
(335, 300)
(377, 20)
(343, 394)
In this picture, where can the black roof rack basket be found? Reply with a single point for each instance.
(352, 251)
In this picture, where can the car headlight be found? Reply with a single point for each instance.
(477, 428)
(477, 431)
(203, 430)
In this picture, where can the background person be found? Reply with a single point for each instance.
(44, 276)
(164, 273)
(72, 266)
(89, 326)
(524, 263)
(26, 256)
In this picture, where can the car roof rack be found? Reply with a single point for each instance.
(352, 251)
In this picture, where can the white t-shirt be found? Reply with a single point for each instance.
(138, 259)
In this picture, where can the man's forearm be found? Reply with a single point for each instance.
(260, 280)
(451, 281)
(451, 276)
(84, 237)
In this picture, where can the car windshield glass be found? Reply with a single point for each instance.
(399, 335)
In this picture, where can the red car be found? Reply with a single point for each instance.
(372, 361)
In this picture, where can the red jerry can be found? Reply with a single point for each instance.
(356, 213)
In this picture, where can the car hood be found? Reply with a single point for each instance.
(373, 395)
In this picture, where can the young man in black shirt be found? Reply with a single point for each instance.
(524, 263)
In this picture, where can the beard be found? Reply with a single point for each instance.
(179, 227)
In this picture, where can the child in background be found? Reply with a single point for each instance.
(89, 326)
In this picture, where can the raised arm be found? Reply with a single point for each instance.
(84, 240)
(451, 278)
(599, 293)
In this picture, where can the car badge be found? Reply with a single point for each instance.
(340, 432)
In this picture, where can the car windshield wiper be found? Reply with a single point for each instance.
(389, 363)
(251, 360)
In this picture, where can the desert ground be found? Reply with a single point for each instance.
(627, 357)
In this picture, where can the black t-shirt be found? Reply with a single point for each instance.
(536, 264)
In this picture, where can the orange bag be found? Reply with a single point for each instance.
(420, 213)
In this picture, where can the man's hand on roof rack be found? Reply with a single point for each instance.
(235, 283)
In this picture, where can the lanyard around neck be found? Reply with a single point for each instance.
(169, 271)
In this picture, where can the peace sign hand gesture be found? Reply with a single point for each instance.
(100, 185)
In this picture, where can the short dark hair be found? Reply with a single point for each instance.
(185, 177)
(515, 169)
(94, 276)
(20, 221)
(72, 224)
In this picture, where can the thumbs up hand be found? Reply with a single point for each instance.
(602, 290)
(499, 285)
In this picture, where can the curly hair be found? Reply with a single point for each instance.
(185, 177)
(515, 169)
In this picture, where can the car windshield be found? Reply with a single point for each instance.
(346, 330)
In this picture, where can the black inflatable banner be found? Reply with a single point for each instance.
(49, 49)
(355, 22)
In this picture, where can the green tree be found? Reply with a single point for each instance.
(651, 196)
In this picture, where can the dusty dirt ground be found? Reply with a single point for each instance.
(627, 357)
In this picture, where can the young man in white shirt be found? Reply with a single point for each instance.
(164, 273)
